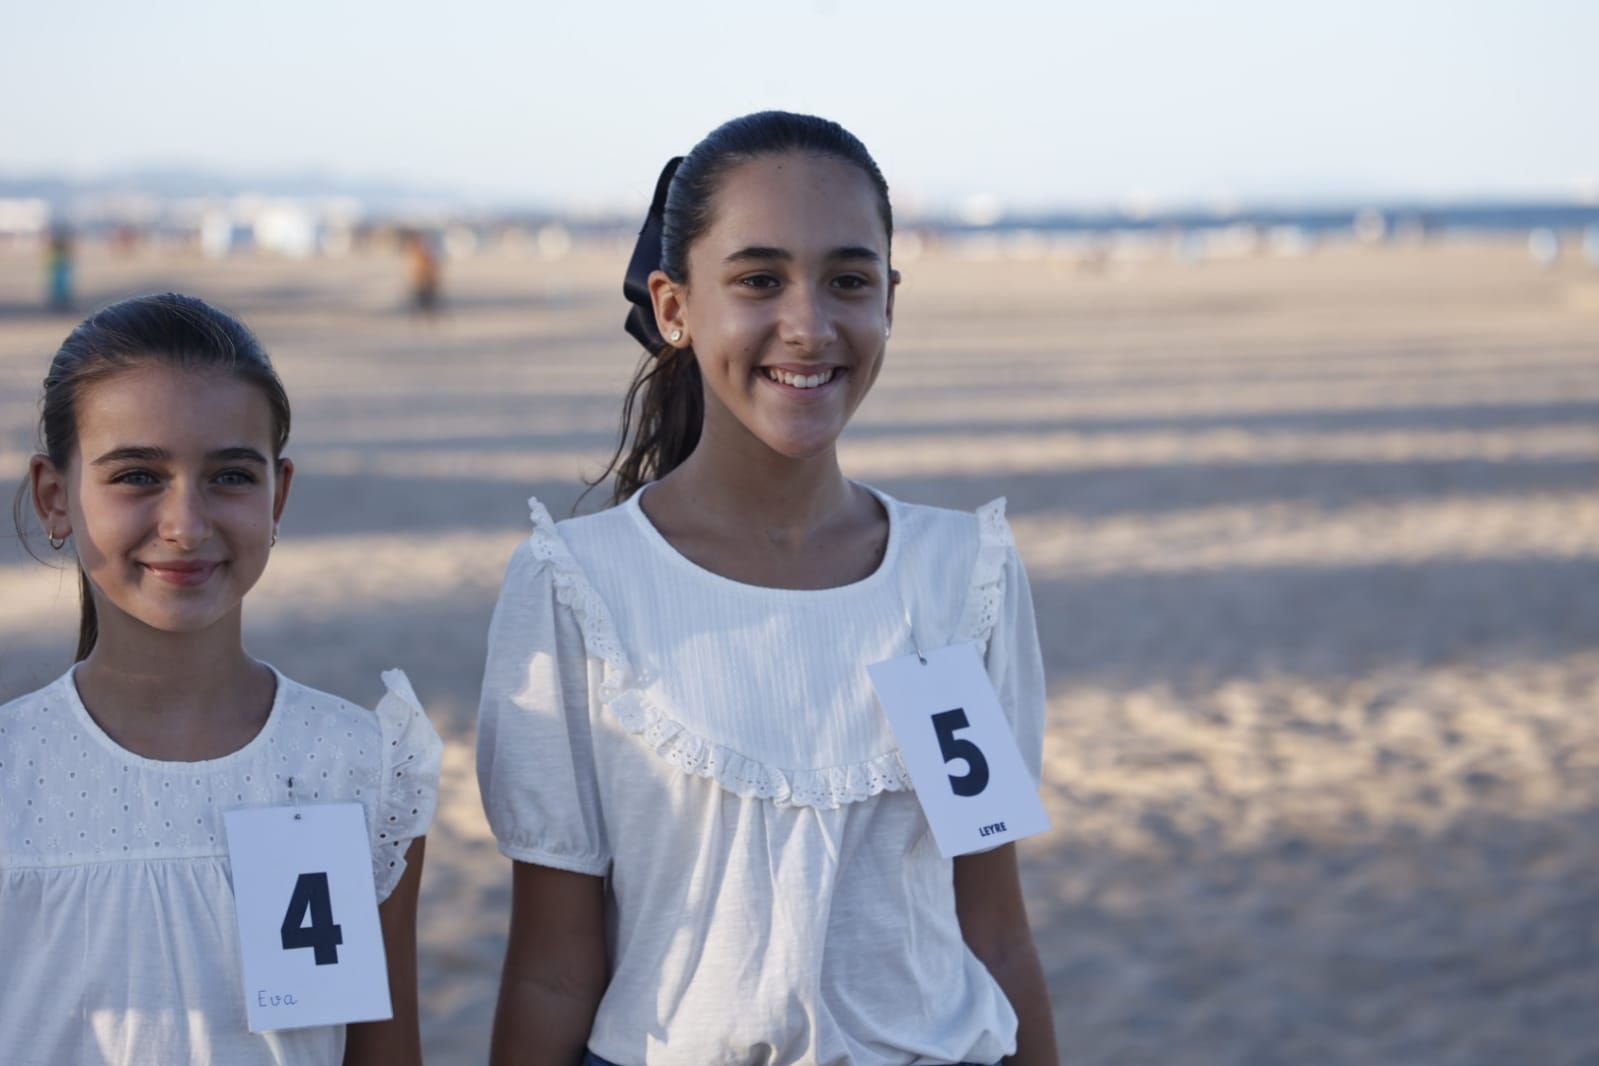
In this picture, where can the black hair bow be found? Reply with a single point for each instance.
(647, 259)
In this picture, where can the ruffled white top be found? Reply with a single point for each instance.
(118, 943)
(715, 749)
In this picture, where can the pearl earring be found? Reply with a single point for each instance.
(677, 335)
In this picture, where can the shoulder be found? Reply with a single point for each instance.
(960, 559)
(562, 557)
(24, 711)
(611, 522)
(604, 538)
(395, 729)
(29, 702)
(364, 733)
(923, 528)
(557, 545)
(314, 706)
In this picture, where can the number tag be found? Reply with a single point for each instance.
(308, 916)
(969, 774)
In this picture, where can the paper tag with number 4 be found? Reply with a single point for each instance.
(308, 916)
(969, 775)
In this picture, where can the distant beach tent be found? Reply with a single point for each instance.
(25, 220)
(1370, 225)
(221, 235)
(1544, 247)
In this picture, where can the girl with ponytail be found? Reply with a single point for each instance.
(161, 471)
(719, 856)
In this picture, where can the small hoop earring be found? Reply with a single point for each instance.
(676, 336)
(274, 536)
(56, 543)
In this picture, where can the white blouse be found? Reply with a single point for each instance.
(118, 943)
(715, 749)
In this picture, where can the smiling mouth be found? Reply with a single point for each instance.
(800, 381)
(185, 575)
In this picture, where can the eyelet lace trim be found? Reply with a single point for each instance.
(994, 545)
(640, 714)
(408, 790)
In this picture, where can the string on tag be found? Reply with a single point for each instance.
(915, 644)
(294, 802)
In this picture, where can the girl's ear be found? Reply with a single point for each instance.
(47, 486)
(280, 493)
(668, 298)
(893, 287)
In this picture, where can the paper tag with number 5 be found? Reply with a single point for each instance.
(969, 775)
(308, 916)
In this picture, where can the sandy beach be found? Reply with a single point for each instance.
(1314, 543)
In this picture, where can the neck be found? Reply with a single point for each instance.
(174, 695)
(747, 483)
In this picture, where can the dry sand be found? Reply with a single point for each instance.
(1315, 548)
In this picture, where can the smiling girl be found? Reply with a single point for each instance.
(718, 855)
(162, 467)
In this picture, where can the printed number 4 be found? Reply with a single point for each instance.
(946, 724)
(322, 936)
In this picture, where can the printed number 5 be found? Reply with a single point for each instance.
(311, 894)
(945, 724)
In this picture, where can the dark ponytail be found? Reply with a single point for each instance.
(170, 329)
(665, 405)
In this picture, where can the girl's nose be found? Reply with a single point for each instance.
(806, 323)
(184, 520)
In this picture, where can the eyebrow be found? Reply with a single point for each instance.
(146, 454)
(761, 251)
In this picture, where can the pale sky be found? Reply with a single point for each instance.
(1035, 104)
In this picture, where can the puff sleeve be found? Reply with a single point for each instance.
(535, 755)
(409, 789)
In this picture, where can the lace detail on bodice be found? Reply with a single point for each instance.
(640, 713)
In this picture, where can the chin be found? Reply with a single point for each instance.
(187, 619)
(801, 451)
(800, 446)
(183, 625)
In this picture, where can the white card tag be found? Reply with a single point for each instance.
(969, 775)
(308, 916)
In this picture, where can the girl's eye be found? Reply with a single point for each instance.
(136, 478)
(236, 478)
(759, 281)
(851, 281)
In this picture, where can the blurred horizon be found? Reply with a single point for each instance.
(389, 196)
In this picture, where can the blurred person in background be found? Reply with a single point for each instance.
(59, 257)
(424, 266)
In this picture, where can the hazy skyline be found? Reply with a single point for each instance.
(1030, 104)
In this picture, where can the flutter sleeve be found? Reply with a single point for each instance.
(999, 616)
(535, 755)
(409, 789)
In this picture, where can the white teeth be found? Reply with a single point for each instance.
(800, 381)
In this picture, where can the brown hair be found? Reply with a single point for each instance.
(171, 329)
(665, 405)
